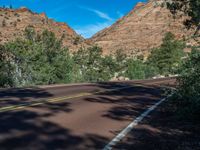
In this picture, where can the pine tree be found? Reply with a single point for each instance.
(191, 8)
(168, 56)
(3, 23)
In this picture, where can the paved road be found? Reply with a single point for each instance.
(85, 116)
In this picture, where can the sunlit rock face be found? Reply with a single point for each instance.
(141, 30)
(14, 21)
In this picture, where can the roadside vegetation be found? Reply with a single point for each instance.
(186, 100)
(187, 97)
(39, 59)
(168, 57)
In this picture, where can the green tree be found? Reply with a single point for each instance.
(92, 66)
(150, 71)
(40, 59)
(77, 40)
(6, 69)
(136, 69)
(3, 23)
(107, 68)
(187, 97)
(191, 8)
(168, 56)
(121, 62)
(89, 63)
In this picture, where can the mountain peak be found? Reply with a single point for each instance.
(14, 21)
(141, 30)
(138, 5)
(23, 9)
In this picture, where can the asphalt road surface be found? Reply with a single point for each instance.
(85, 116)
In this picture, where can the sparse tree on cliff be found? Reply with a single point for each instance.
(191, 8)
(3, 23)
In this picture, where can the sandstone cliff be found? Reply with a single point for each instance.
(141, 30)
(13, 22)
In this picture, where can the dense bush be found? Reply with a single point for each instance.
(6, 68)
(42, 59)
(38, 59)
(187, 98)
(91, 66)
(135, 69)
(168, 56)
(139, 69)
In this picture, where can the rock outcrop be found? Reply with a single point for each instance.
(14, 21)
(141, 30)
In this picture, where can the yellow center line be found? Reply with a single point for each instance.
(59, 99)
(54, 100)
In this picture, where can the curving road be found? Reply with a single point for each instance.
(84, 116)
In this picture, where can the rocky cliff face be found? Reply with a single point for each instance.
(141, 30)
(13, 23)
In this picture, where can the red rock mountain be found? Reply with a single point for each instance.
(13, 22)
(141, 30)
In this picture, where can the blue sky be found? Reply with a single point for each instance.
(85, 16)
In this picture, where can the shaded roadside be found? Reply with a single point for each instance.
(88, 122)
(162, 130)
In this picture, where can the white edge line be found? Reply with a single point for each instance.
(135, 122)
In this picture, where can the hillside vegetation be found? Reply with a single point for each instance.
(186, 100)
(38, 59)
(14, 21)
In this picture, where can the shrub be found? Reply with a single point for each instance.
(16, 15)
(3, 23)
(77, 40)
(6, 69)
(91, 66)
(187, 98)
(135, 69)
(39, 59)
(168, 56)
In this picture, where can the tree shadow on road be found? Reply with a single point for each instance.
(162, 130)
(128, 103)
(15, 96)
(27, 130)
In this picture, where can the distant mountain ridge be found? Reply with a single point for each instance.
(141, 30)
(14, 21)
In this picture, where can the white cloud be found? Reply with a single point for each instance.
(98, 13)
(102, 15)
(89, 30)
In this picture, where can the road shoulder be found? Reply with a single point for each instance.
(162, 130)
